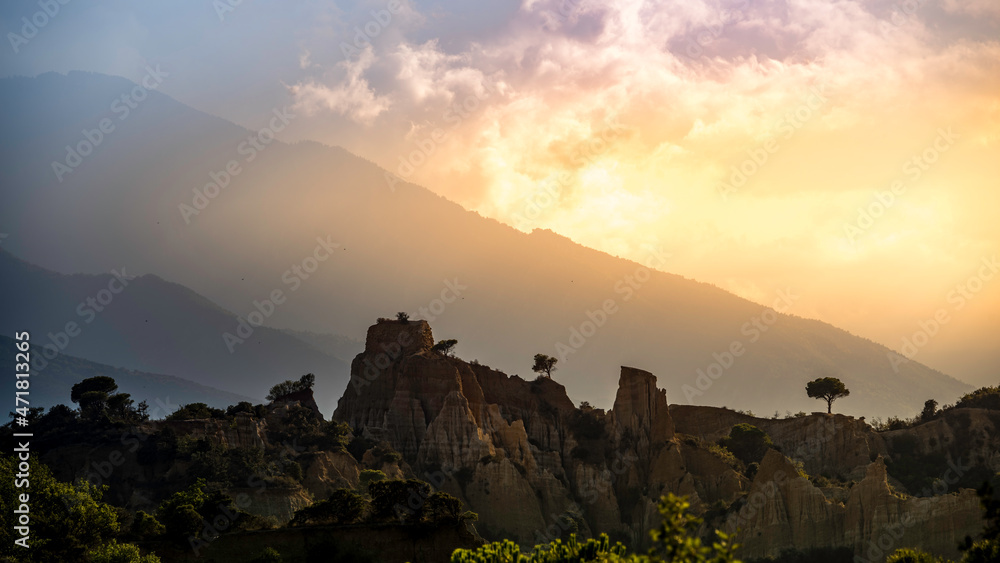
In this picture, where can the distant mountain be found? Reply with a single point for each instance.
(163, 393)
(177, 192)
(154, 326)
(341, 347)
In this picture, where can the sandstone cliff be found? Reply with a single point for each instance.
(518, 452)
(535, 467)
(786, 511)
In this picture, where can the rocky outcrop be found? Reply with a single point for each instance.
(493, 437)
(834, 445)
(328, 471)
(785, 511)
(275, 504)
(958, 436)
(303, 398)
(244, 431)
(536, 468)
(640, 410)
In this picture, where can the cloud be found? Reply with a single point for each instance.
(978, 8)
(698, 87)
(351, 95)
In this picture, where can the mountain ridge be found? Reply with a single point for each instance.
(399, 250)
(181, 344)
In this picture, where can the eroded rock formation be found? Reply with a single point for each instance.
(535, 467)
(518, 452)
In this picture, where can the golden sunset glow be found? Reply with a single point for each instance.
(758, 162)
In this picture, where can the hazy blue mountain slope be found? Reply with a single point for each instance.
(397, 249)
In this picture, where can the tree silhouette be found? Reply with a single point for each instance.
(445, 347)
(930, 409)
(827, 388)
(291, 386)
(544, 364)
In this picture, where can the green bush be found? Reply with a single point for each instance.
(369, 476)
(441, 508)
(343, 507)
(912, 556)
(747, 442)
(676, 539)
(67, 521)
(726, 456)
(291, 386)
(183, 514)
(571, 551)
(114, 552)
(982, 398)
(146, 526)
(196, 411)
(397, 500)
(390, 457)
(983, 552)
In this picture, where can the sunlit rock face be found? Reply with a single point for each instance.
(535, 467)
(833, 444)
(519, 452)
(786, 511)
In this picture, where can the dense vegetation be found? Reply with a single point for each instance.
(675, 540)
(68, 522)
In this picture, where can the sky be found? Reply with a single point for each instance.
(846, 150)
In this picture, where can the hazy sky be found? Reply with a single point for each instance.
(742, 137)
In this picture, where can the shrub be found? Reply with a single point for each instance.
(146, 526)
(67, 521)
(391, 457)
(747, 442)
(396, 499)
(820, 481)
(441, 508)
(196, 411)
(676, 539)
(114, 552)
(184, 513)
(912, 556)
(291, 386)
(293, 470)
(444, 347)
(930, 409)
(245, 407)
(726, 456)
(983, 398)
(343, 507)
(369, 476)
